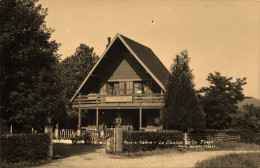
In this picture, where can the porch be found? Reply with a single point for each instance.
(138, 111)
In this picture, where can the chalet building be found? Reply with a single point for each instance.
(127, 81)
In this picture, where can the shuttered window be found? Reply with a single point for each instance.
(116, 88)
(129, 87)
(122, 87)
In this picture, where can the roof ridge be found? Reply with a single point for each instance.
(134, 41)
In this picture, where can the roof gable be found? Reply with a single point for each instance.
(143, 55)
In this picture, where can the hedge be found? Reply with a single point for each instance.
(24, 147)
(149, 140)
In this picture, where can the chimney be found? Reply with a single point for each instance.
(108, 41)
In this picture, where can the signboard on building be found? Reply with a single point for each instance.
(113, 99)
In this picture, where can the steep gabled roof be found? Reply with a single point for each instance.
(143, 55)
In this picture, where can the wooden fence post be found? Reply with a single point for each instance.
(185, 138)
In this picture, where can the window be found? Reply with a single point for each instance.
(112, 88)
(122, 87)
(137, 86)
(129, 87)
(116, 88)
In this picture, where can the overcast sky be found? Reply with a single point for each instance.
(220, 36)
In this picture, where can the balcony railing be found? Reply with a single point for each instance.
(133, 100)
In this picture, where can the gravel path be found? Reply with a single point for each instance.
(99, 159)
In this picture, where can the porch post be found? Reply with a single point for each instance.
(140, 118)
(79, 123)
(97, 118)
(79, 120)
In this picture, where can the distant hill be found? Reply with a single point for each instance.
(251, 100)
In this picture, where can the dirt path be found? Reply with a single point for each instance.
(99, 159)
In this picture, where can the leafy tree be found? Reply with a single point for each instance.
(247, 119)
(73, 70)
(220, 99)
(248, 122)
(29, 84)
(182, 109)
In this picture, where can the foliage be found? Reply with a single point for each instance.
(74, 69)
(248, 122)
(182, 109)
(246, 160)
(30, 91)
(220, 100)
(247, 119)
(24, 147)
(86, 137)
(149, 140)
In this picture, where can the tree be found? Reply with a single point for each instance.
(182, 109)
(220, 99)
(247, 121)
(73, 70)
(28, 64)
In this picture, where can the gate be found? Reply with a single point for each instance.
(114, 140)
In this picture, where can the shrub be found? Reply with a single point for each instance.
(250, 137)
(24, 147)
(148, 140)
(86, 137)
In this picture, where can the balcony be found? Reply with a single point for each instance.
(128, 101)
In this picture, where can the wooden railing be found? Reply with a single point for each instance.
(66, 133)
(136, 99)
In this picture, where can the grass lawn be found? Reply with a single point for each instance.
(245, 160)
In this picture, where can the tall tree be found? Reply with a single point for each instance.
(27, 57)
(73, 71)
(220, 99)
(182, 109)
(75, 68)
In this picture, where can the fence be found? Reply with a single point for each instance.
(64, 133)
(214, 136)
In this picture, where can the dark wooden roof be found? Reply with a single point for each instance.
(148, 57)
(144, 56)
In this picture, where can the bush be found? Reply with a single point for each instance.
(250, 137)
(24, 147)
(86, 137)
(148, 140)
(246, 160)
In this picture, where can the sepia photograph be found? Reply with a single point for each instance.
(130, 84)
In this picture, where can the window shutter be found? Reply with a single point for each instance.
(122, 87)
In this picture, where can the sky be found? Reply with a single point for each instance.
(221, 36)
